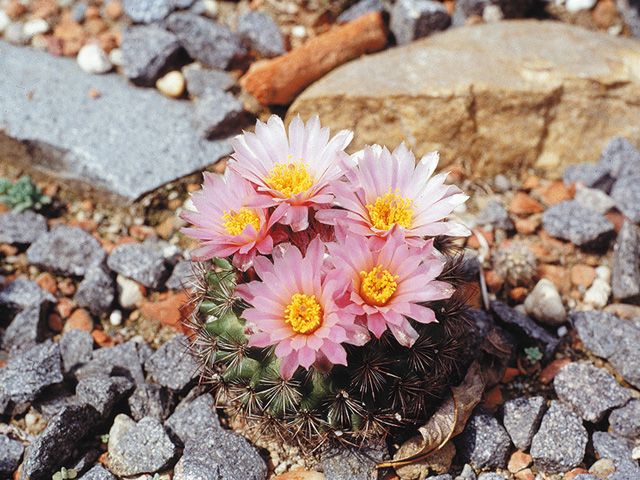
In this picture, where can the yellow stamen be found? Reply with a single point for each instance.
(235, 222)
(377, 286)
(303, 313)
(391, 209)
(289, 178)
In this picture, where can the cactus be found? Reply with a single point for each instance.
(22, 195)
(515, 264)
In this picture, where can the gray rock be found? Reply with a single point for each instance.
(625, 421)
(625, 193)
(22, 228)
(27, 374)
(613, 338)
(217, 114)
(522, 418)
(525, 329)
(86, 461)
(14, 33)
(578, 224)
(588, 174)
(220, 454)
(172, 365)
(586, 476)
(76, 347)
(510, 8)
(97, 291)
(21, 294)
(199, 80)
(490, 476)
(559, 444)
(544, 303)
(260, 33)
(359, 9)
(484, 442)
(445, 476)
(26, 328)
(495, 215)
(119, 360)
(620, 158)
(413, 19)
(147, 53)
(78, 11)
(182, 276)
(340, 462)
(195, 413)
(103, 393)
(69, 251)
(172, 254)
(147, 11)
(625, 272)
(57, 442)
(212, 44)
(610, 445)
(57, 397)
(481, 324)
(125, 143)
(467, 473)
(98, 473)
(140, 263)
(10, 455)
(151, 400)
(136, 448)
(588, 390)
(630, 11)
(594, 199)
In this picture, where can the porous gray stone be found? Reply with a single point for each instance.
(619, 449)
(152, 400)
(147, 52)
(217, 113)
(260, 33)
(588, 174)
(589, 391)
(21, 294)
(212, 44)
(26, 328)
(136, 448)
(625, 194)
(352, 463)
(120, 146)
(27, 374)
(194, 413)
(182, 275)
(57, 442)
(559, 444)
(496, 216)
(97, 291)
(102, 393)
(199, 80)
(625, 271)
(525, 329)
(98, 472)
(521, 419)
(172, 365)
(119, 360)
(625, 421)
(76, 347)
(413, 19)
(613, 338)
(484, 442)
(578, 224)
(359, 9)
(10, 455)
(140, 263)
(445, 476)
(221, 454)
(58, 396)
(147, 11)
(620, 158)
(22, 228)
(586, 476)
(69, 251)
(490, 476)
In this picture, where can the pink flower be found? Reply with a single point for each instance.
(389, 285)
(226, 226)
(295, 307)
(294, 171)
(388, 189)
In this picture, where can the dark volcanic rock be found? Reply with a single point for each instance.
(610, 445)
(495, 215)
(413, 19)
(620, 158)
(119, 360)
(21, 294)
(200, 80)
(97, 291)
(140, 263)
(172, 365)
(10, 455)
(69, 251)
(98, 473)
(147, 11)
(576, 223)
(353, 463)
(22, 227)
(26, 328)
(484, 442)
(76, 347)
(195, 413)
(589, 174)
(217, 113)
(521, 418)
(625, 272)
(102, 393)
(153, 400)
(261, 33)
(624, 421)
(359, 9)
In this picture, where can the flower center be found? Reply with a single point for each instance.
(377, 286)
(289, 178)
(235, 222)
(390, 209)
(303, 313)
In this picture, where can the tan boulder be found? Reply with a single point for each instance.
(496, 97)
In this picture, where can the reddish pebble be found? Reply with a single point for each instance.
(54, 321)
(166, 228)
(526, 226)
(549, 372)
(530, 183)
(473, 242)
(92, 12)
(70, 48)
(113, 9)
(450, 5)
(168, 310)
(14, 9)
(89, 225)
(44, 8)
(524, 204)
(573, 473)
(519, 461)
(67, 287)
(583, 275)
(526, 474)
(606, 14)
(87, 205)
(107, 41)
(616, 218)
(559, 275)
(493, 280)
(220, 167)
(102, 339)
(65, 307)
(47, 282)
(510, 374)
(95, 26)
(518, 293)
(556, 192)
(140, 232)
(69, 31)
(493, 399)
(8, 250)
(80, 319)
(93, 93)
(301, 475)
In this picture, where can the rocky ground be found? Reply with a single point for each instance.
(95, 374)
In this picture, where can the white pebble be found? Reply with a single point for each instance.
(604, 273)
(115, 318)
(35, 26)
(635, 454)
(598, 293)
(92, 59)
(596, 199)
(115, 57)
(30, 420)
(128, 292)
(171, 85)
(577, 5)
(562, 331)
(299, 31)
(545, 305)
(5, 21)
(492, 14)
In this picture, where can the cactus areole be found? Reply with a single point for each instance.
(330, 300)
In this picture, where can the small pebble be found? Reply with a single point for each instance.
(14, 33)
(115, 318)
(299, 31)
(115, 57)
(602, 468)
(92, 59)
(577, 5)
(172, 84)
(35, 26)
(492, 14)
(545, 304)
(5, 21)
(598, 293)
(93, 93)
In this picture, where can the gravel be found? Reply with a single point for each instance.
(624, 421)
(22, 228)
(343, 463)
(625, 272)
(625, 194)
(217, 113)
(258, 31)
(97, 291)
(194, 414)
(21, 294)
(140, 263)
(102, 393)
(610, 445)
(522, 417)
(76, 347)
(484, 442)
(172, 365)
(413, 19)
(26, 328)
(10, 455)
(200, 80)
(576, 223)
(151, 400)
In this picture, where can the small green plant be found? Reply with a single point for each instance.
(22, 195)
(534, 355)
(104, 438)
(64, 474)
